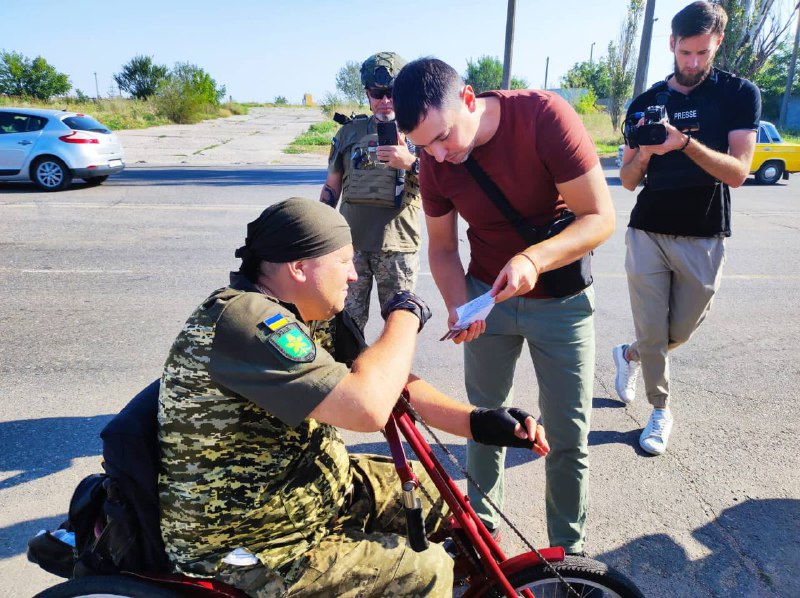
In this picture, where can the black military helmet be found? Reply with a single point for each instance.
(379, 70)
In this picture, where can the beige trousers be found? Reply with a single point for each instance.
(672, 281)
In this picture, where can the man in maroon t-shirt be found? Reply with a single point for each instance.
(534, 147)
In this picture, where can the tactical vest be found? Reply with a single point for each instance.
(232, 475)
(367, 181)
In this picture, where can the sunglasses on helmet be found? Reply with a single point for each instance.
(378, 93)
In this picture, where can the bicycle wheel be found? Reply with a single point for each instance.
(587, 577)
(107, 586)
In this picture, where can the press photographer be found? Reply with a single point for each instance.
(689, 139)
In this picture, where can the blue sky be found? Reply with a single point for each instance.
(260, 50)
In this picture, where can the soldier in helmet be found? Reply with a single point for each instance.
(380, 193)
(256, 487)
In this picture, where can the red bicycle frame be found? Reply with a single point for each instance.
(494, 567)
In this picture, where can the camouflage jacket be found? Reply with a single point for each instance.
(241, 463)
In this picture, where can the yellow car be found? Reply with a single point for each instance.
(774, 158)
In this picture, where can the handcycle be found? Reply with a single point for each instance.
(484, 570)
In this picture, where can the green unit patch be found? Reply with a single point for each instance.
(293, 343)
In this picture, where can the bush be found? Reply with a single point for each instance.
(188, 95)
(330, 103)
(333, 103)
(237, 108)
(587, 103)
(280, 101)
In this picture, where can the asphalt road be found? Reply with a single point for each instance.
(96, 282)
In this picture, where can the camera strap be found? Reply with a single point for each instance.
(526, 231)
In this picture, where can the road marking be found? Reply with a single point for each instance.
(148, 206)
(724, 276)
(49, 271)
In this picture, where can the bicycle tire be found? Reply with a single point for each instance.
(589, 578)
(107, 586)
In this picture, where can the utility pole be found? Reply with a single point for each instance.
(546, 68)
(591, 51)
(789, 78)
(512, 9)
(96, 88)
(644, 49)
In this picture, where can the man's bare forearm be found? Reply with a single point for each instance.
(329, 195)
(728, 169)
(632, 172)
(438, 409)
(364, 398)
(448, 274)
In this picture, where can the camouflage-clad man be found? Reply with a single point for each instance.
(380, 193)
(256, 487)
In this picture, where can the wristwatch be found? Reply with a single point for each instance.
(414, 167)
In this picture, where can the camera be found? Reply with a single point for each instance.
(651, 132)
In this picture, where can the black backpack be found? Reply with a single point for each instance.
(114, 515)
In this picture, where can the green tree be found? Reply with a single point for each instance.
(771, 80)
(621, 62)
(487, 73)
(348, 82)
(755, 30)
(591, 75)
(21, 76)
(187, 93)
(196, 81)
(141, 77)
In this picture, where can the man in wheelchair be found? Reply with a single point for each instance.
(256, 487)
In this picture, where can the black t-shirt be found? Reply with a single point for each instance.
(680, 198)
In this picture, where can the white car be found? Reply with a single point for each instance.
(51, 147)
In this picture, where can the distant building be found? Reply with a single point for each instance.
(308, 100)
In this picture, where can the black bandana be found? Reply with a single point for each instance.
(293, 229)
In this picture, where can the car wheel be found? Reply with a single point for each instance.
(50, 174)
(95, 180)
(770, 172)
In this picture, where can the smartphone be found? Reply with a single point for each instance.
(387, 133)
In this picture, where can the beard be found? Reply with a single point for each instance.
(385, 117)
(693, 79)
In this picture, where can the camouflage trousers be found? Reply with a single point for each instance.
(392, 270)
(366, 554)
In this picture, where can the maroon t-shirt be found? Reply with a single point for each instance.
(539, 142)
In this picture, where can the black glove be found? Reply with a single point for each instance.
(408, 301)
(496, 426)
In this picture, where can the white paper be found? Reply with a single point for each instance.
(475, 310)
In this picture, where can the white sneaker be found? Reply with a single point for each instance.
(627, 373)
(656, 433)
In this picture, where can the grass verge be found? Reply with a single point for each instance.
(317, 140)
(119, 113)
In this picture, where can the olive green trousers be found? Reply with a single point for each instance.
(366, 553)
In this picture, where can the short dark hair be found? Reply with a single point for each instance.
(422, 85)
(700, 18)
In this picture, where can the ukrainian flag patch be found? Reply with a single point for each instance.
(276, 322)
